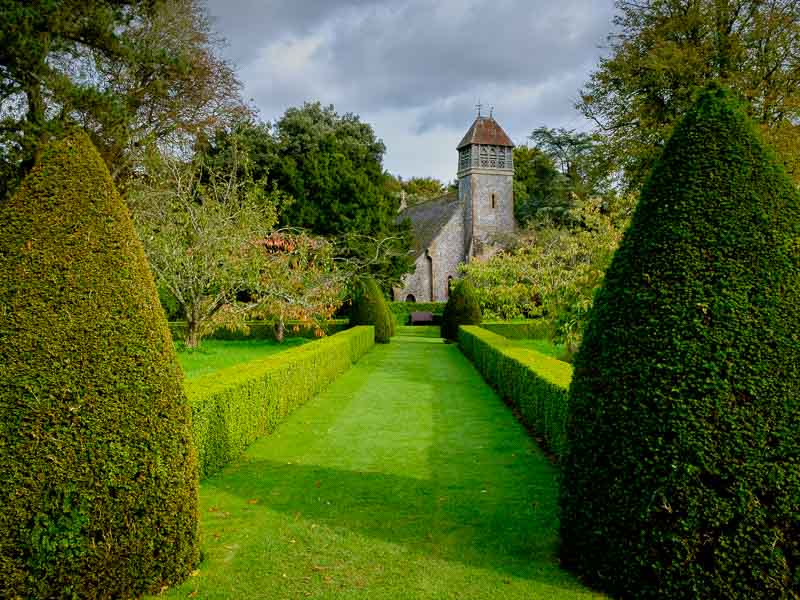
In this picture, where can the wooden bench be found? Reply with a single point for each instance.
(421, 318)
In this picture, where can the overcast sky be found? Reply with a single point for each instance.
(414, 69)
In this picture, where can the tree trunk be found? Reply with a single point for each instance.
(192, 333)
(280, 330)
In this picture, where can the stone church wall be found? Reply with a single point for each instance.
(418, 283)
(488, 220)
(448, 253)
(429, 281)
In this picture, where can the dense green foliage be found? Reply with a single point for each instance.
(682, 477)
(130, 72)
(415, 190)
(562, 170)
(402, 310)
(405, 479)
(331, 166)
(552, 270)
(661, 51)
(534, 383)
(99, 474)
(235, 406)
(369, 307)
(462, 308)
(538, 185)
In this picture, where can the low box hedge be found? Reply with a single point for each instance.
(535, 384)
(532, 329)
(263, 330)
(233, 407)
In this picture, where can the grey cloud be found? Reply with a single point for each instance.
(249, 24)
(426, 61)
(415, 54)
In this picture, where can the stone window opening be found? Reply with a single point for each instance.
(484, 152)
(494, 200)
(410, 298)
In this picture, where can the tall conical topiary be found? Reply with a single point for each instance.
(99, 475)
(370, 308)
(682, 479)
(462, 308)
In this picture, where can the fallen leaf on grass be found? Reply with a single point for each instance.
(192, 594)
(195, 573)
(252, 501)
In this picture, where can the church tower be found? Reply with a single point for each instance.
(485, 184)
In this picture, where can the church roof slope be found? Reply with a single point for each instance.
(428, 219)
(485, 130)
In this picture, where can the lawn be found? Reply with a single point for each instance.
(407, 478)
(544, 346)
(218, 354)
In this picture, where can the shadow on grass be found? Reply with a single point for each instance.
(451, 520)
(410, 447)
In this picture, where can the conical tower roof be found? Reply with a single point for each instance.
(485, 130)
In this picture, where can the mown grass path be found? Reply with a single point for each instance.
(406, 478)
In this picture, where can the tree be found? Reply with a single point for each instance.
(551, 271)
(414, 190)
(297, 279)
(99, 489)
(562, 170)
(128, 72)
(331, 166)
(370, 308)
(539, 188)
(663, 50)
(462, 308)
(681, 479)
(199, 226)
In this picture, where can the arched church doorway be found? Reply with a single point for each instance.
(410, 298)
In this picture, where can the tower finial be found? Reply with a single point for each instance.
(479, 106)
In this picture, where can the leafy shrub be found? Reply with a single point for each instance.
(233, 407)
(461, 309)
(370, 308)
(682, 478)
(535, 384)
(99, 484)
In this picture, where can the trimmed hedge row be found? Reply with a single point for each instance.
(533, 329)
(402, 310)
(536, 384)
(263, 330)
(233, 407)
